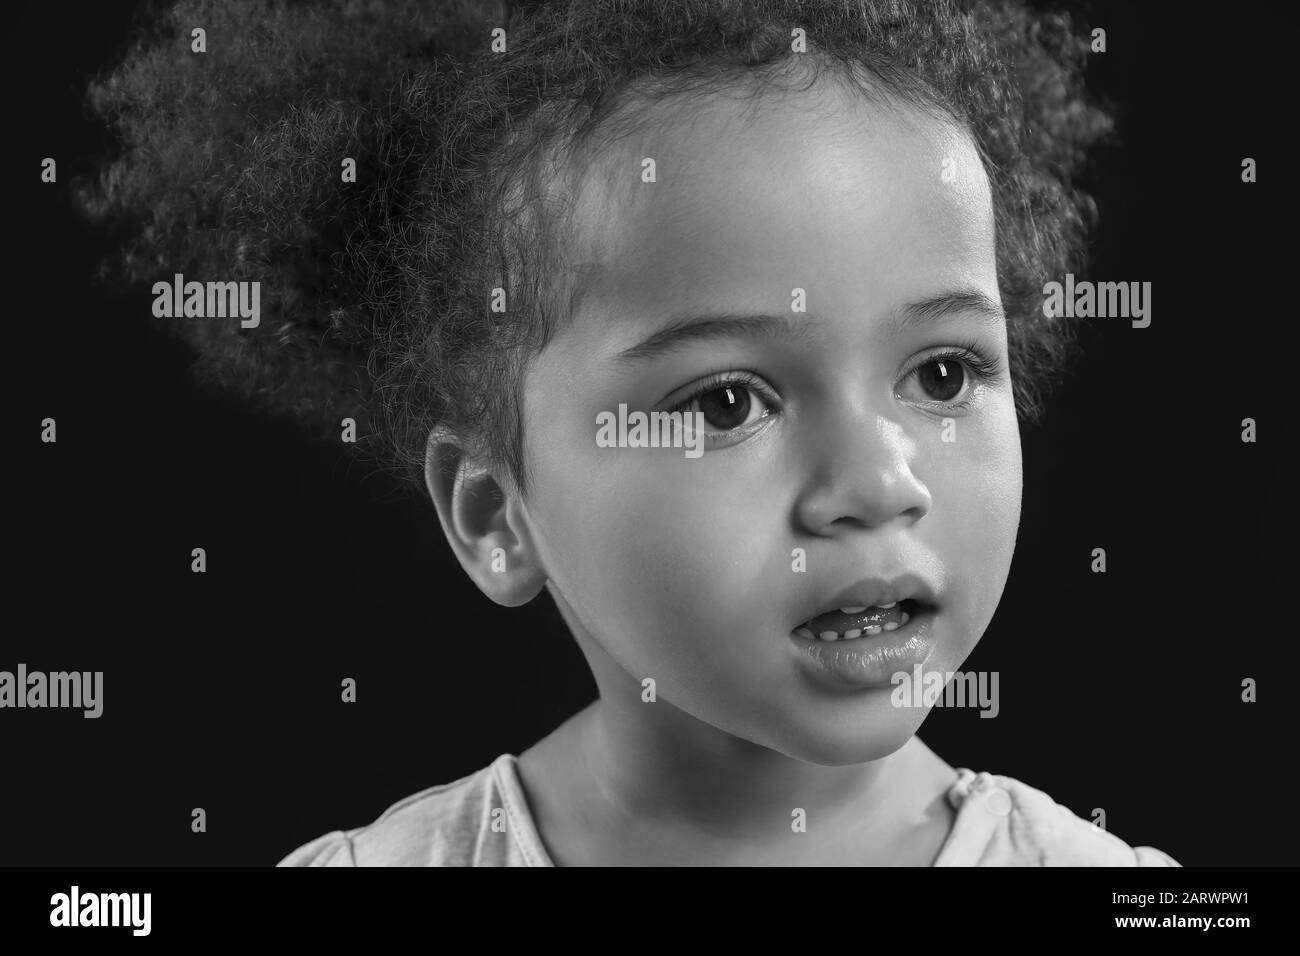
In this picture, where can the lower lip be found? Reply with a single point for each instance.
(871, 661)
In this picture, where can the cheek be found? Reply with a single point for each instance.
(670, 568)
(977, 505)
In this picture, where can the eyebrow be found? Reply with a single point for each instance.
(705, 328)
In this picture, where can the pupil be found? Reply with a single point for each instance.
(942, 380)
(725, 407)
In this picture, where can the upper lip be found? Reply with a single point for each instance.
(874, 592)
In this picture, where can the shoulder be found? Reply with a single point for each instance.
(332, 849)
(480, 819)
(1004, 822)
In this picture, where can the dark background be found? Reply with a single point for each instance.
(221, 690)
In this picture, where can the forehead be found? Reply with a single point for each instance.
(820, 189)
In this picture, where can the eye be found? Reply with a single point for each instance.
(728, 407)
(942, 379)
(732, 405)
(950, 379)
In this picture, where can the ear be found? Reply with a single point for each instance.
(484, 522)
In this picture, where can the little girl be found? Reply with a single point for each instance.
(808, 239)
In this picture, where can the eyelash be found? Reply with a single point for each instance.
(729, 379)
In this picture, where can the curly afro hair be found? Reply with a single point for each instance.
(377, 291)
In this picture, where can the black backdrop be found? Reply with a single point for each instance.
(222, 689)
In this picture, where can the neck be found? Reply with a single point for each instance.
(653, 762)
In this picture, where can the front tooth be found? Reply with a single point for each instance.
(874, 629)
(827, 636)
(886, 607)
(892, 625)
(853, 610)
(856, 632)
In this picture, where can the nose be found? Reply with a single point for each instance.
(862, 475)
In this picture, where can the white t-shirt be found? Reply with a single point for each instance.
(483, 820)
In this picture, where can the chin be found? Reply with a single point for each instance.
(872, 742)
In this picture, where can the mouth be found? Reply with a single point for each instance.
(866, 646)
(868, 632)
(852, 623)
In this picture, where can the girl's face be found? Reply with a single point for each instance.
(821, 284)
